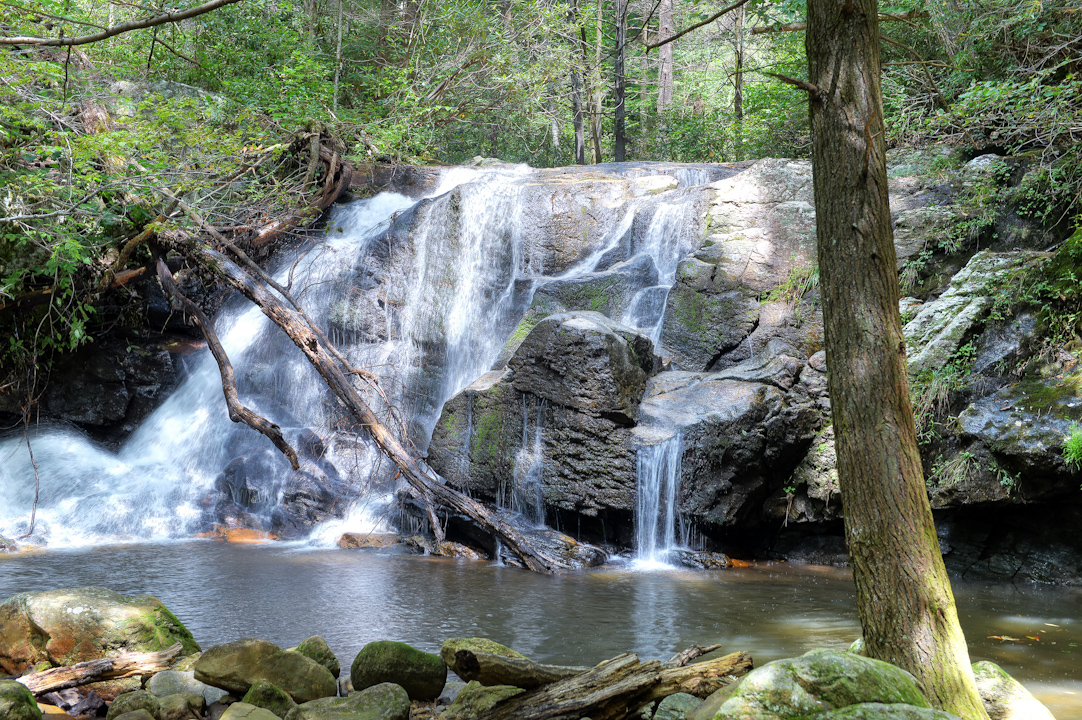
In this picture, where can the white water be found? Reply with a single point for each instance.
(461, 288)
(656, 508)
(526, 489)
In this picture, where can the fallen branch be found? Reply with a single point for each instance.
(121, 666)
(492, 669)
(114, 30)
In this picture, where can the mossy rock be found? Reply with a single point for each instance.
(422, 674)
(17, 702)
(245, 711)
(813, 683)
(676, 707)
(453, 645)
(132, 701)
(1004, 697)
(74, 625)
(316, 648)
(884, 711)
(269, 696)
(236, 666)
(476, 698)
(181, 706)
(385, 701)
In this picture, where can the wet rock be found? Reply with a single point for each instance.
(132, 701)
(354, 541)
(316, 648)
(1005, 346)
(574, 554)
(1004, 697)
(7, 545)
(385, 701)
(584, 361)
(476, 698)
(885, 711)
(943, 325)
(17, 702)
(812, 493)
(181, 706)
(69, 626)
(236, 666)
(172, 682)
(675, 707)
(447, 548)
(267, 695)
(778, 364)
(700, 559)
(421, 674)
(818, 681)
(608, 292)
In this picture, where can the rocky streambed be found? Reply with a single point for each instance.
(255, 679)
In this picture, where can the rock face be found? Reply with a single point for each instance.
(65, 627)
(421, 674)
(236, 666)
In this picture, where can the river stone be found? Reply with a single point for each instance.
(884, 711)
(815, 682)
(181, 706)
(676, 706)
(70, 626)
(421, 674)
(171, 682)
(139, 714)
(316, 648)
(237, 665)
(385, 701)
(244, 711)
(132, 701)
(476, 698)
(587, 362)
(1004, 697)
(453, 645)
(269, 696)
(17, 702)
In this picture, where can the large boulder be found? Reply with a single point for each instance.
(172, 682)
(17, 702)
(816, 682)
(236, 666)
(422, 674)
(1004, 697)
(385, 701)
(69, 626)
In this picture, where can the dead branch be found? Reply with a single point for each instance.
(121, 666)
(237, 411)
(797, 27)
(171, 17)
(804, 85)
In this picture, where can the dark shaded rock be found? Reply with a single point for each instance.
(1005, 346)
(584, 361)
(69, 626)
(385, 701)
(17, 702)
(421, 674)
(236, 666)
(316, 648)
(608, 292)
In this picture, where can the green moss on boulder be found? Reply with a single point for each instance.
(316, 648)
(422, 674)
(132, 701)
(17, 702)
(385, 701)
(269, 696)
(476, 698)
(236, 666)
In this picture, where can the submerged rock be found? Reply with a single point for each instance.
(422, 674)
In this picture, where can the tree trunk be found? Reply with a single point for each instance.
(576, 84)
(664, 58)
(121, 666)
(596, 112)
(619, 126)
(904, 598)
(338, 58)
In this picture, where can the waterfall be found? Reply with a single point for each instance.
(526, 492)
(656, 513)
(422, 293)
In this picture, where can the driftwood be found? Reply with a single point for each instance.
(323, 358)
(618, 689)
(492, 669)
(121, 666)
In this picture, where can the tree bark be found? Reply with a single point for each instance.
(665, 58)
(576, 85)
(620, 124)
(904, 598)
(121, 666)
(596, 111)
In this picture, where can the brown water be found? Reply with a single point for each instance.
(284, 594)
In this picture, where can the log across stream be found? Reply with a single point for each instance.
(286, 593)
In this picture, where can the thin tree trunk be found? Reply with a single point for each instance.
(576, 86)
(665, 58)
(596, 113)
(338, 57)
(904, 598)
(619, 125)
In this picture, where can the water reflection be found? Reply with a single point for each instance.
(284, 594)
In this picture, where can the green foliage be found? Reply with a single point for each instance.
(801, 280)
(1072, 448)
(931, 391)
(956, 471)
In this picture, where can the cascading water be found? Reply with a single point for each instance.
(526, 496)
(423, 294)
(658, 484)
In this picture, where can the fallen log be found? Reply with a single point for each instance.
(121, 666)
(491, 669)
(618, 689)
(322, 356)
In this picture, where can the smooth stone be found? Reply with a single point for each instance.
(171, 682)
(181, 706)
(421, 674)
(1004, 697)
(385, 701)
(132, 701)
(244, 711)
(675, 707)
(237, 665)
(316, 648)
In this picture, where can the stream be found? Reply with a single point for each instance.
(287, 592)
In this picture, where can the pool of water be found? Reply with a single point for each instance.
(285, 593)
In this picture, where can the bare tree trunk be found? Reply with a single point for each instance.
(620, 125)
(904, 598)
(338, 57)
(596, 113)
(576, 85)
(665, 58)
